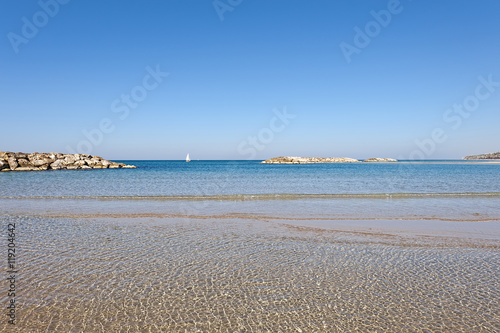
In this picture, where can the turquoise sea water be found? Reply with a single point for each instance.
(215, 178)
(236, 246)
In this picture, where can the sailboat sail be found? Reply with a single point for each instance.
(187, 158)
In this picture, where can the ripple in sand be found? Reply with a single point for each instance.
(243, 276)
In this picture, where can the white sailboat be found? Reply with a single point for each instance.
(187, 158)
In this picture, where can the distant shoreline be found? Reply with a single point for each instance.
(450, 162)
(488, 156)
(309, 160)
(319, 160)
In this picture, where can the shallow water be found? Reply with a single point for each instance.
(241, 247)
(141, 274)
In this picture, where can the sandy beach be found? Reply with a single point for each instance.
(138, 266)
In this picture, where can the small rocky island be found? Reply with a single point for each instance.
(379, 159)
(306, 160)
(10, 161)
(490, 156)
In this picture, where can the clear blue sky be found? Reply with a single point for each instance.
(72, 73)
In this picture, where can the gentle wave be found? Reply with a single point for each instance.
(278, 196)
(258, 217)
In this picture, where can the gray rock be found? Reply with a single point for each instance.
(25, 169)
(20, 155)
(39, 163)
(69, 159)
(93, 161)
(13, 163)
(24, 163)
(4, 164)
(32, 156)
(57, 165)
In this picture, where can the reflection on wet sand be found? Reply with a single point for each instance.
(138, 273)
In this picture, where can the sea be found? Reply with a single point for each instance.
(240, 246)
(230, 178)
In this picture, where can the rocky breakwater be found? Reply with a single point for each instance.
(306, 160)
(378, 159)
(490, 156)
(55, 161)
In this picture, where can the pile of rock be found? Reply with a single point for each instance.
(378, 159)
(10, 161)
(306, 160)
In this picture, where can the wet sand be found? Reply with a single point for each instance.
(106, 268)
